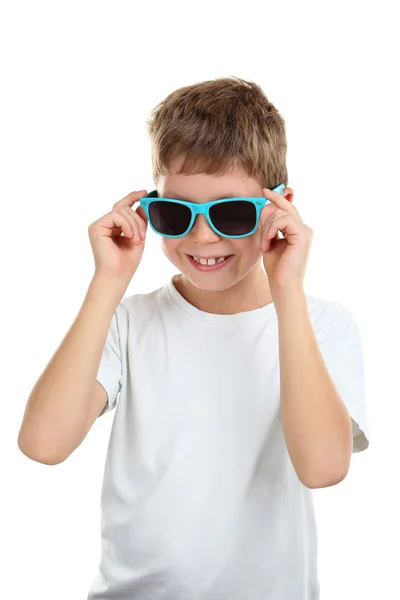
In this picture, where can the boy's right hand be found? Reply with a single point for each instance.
(116, 255)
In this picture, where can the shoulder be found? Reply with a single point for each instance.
(143, 302)
(137, 310)
(327, 315)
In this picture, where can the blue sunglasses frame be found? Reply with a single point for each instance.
(204, 209)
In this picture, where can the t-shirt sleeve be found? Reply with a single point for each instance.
(340, 345)
(110, 369)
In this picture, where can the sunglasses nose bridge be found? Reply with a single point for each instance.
(201, 228)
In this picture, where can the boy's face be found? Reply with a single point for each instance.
(202, 241)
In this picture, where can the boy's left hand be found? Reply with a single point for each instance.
(285, 260)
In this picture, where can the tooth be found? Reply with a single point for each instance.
(210, 261)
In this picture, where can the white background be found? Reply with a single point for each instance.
(78, 81)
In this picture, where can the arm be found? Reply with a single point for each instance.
(316, 423)
(58, 407)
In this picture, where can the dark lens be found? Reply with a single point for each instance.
(236, 217)
(169, 218)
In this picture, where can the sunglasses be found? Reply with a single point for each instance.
(229, 217)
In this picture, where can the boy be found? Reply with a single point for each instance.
(238, 392)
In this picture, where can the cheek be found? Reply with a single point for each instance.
(248, 245)
(170, 245)
(251, 247)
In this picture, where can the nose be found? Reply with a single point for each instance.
(201, 231)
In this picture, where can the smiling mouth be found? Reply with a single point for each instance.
(216, 258)
(214, 265)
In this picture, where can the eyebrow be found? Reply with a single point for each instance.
(227, 195)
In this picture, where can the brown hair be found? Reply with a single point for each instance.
(216, 125)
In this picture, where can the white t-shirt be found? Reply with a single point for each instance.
(200, 500)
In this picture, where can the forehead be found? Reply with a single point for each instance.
(203, 187)
(178, 196)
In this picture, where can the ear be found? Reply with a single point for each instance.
(288, 194)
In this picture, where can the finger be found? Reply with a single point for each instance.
(130, 199)
(276, 214)
(131, 231)
(280, 201)
(120, 225)
(266, 214)
(143, 221)
(271, 232)
(142, 214)
(133, 222)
